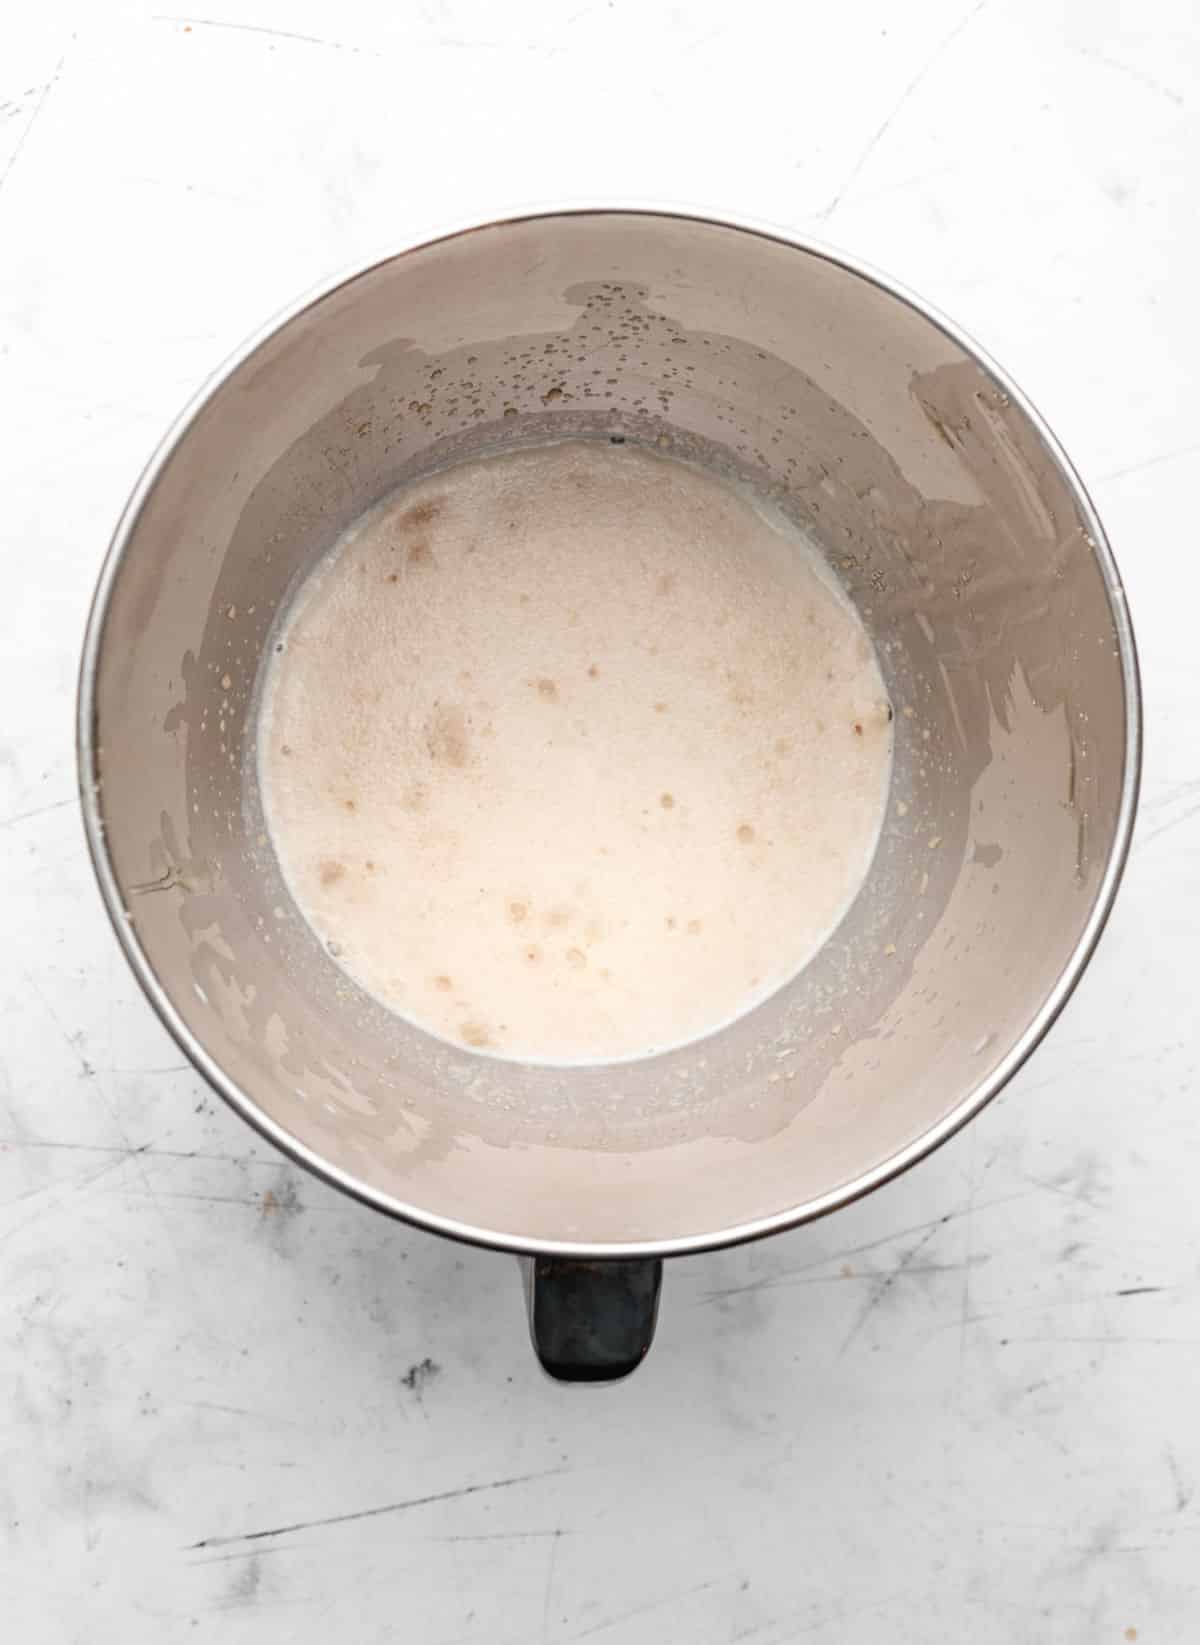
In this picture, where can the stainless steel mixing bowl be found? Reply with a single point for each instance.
(978, 564)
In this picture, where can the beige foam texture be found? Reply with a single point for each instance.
(573, 754)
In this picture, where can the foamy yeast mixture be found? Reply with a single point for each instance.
(573, 754)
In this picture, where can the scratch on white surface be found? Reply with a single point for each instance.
(75, 1043)
(496, 1536)
(641, 1610)
(147, 1073)
(796, 1276)
(702, 40)
(33, 119)
(791, 1278)
(147, 1149)
(1147, 81)
(898, 186)
(1052, 1304)
(449, 42)
(884, 126)
(248, 1553)
(1172, 822)
(1183, 1492)
(271, 1418)
(1080, 1196)
(40, 810)
(374, 1513)
(808, 1620)
(1113, 1340)
(1175, 791)
(61, 1194)
(547, 1596)
(964, 1302)
(1150, 462)
(244, 1200)
(880, 1292)
(74, 1185)
(197, 191)
(274, 34)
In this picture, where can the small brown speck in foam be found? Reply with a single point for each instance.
(667, 801)
(695, 927)
(443, 984)
(420, 514)
(660, 708)
(285, 748)
(351, 805)
(577, 958)
(517, 911)
(331, 871)
(745, 835)
(533, 953)
(446, 735)
(419, 554)
(665, 583)
(547, 689)
(475, 1034)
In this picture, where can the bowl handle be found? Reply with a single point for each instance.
(592, 1321)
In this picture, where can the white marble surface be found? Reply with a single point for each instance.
(963, 1410)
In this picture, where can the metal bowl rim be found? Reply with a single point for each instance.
(509, 1239)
